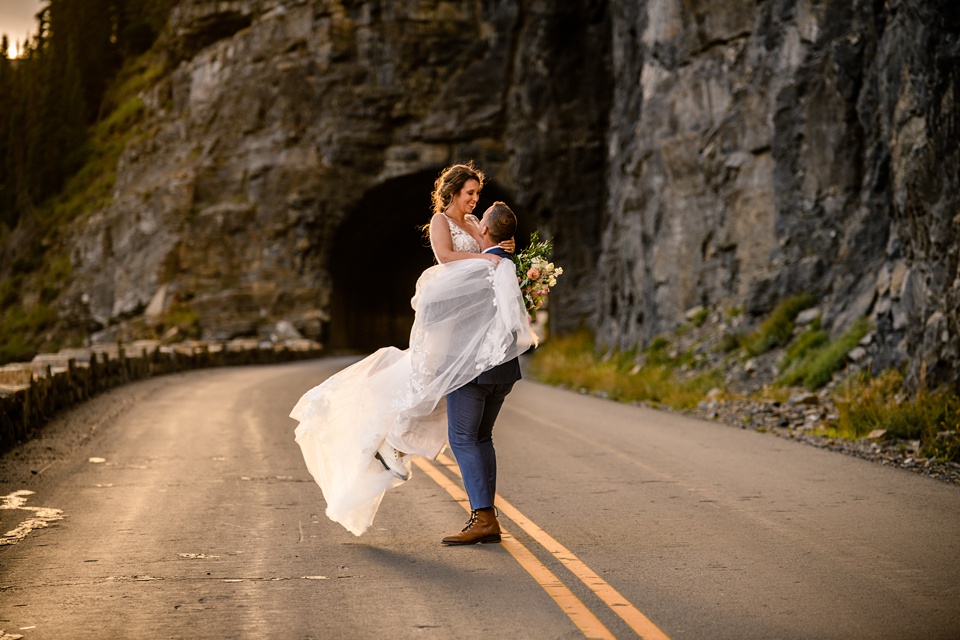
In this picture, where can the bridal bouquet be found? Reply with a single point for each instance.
(536, 273)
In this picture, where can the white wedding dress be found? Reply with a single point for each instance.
(470, 317)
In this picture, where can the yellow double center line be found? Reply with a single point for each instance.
(572, 606)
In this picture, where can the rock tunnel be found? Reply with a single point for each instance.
(379, 252)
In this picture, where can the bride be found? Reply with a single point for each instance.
(359, 427)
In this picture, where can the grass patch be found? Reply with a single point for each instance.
(182, 316)
(14, 348)
(91, 187)
(572, 361)
(136, 75)
(17, 325)
(769, 393)
(53, 277)
(933, 417)
(21, 322)
(777, 328)
(10, 291)
(806, 342)
(729, 343)
(817, 365)
(700, 317)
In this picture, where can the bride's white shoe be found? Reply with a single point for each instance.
(392, 461)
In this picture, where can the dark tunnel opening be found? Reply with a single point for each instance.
(379, 253)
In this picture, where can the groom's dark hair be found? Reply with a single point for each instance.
(501, 222)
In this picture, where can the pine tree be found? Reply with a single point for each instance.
(6, 180)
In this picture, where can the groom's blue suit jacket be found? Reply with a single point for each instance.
(509, 371)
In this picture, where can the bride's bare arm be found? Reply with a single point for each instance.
(442, 244)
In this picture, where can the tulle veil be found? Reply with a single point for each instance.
(469, 317)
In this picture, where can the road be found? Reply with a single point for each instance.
(179, 507)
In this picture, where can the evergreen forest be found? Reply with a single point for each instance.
(54, 92)
(67, 112)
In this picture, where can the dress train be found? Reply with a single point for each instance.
(470, 317)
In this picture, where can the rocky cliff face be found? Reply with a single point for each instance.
(681, 153)
(764, 149)
(291, 153)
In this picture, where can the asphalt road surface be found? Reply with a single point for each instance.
(180, 507)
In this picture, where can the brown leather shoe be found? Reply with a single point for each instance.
(481, 527)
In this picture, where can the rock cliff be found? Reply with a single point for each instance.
(770, 148)
(680, 152)
(291, 152)
(762, 149)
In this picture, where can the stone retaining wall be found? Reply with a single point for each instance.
(31, 393)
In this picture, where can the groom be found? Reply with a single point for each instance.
(473, 408)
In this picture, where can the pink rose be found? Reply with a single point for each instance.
(533, 273)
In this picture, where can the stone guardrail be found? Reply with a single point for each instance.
(31, 393)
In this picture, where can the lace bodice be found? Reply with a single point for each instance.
(463, 242)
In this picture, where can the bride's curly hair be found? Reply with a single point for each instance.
(451, 181)
(448, 184)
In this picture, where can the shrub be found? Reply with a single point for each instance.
(945, 448)
(865, 404)
(933, 417)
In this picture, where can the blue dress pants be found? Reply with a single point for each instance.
(471, 412)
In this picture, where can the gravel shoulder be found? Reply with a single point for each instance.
(795, 421)
(743, 404)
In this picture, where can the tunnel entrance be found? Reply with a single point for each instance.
(379, 253)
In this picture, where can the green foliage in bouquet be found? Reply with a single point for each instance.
(536, 273)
